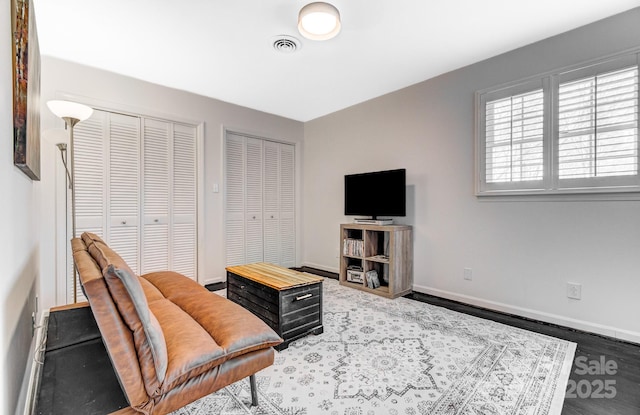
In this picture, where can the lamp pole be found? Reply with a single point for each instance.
(72, 113)
(71, 122)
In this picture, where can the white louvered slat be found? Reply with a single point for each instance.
(155, 248)
(184, 237)
(156, 195)
(156, 168)
(514, 138)
(124, 240)
(234, 200)
(184, 249)
(90, 182)
(90, 171)
(234, 176)
(287, 206)
(184, 171)
(271, 240)
(598, 125)
(254, 242)
(287, 179)
(235, 253)
(253, 199)
(254, 176)
(124, 187)
(271, 202)
(287, 242)
(124, 162)
(271, 177)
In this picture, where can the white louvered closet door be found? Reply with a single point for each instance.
(184, 202)
(124, 187)
(156, 196)
(169, 198)
(253, 198)
(235, 156)
(90, 144)
(287, 206)
(107, 187)
(271, 202)
(136, 187)
(260, 201)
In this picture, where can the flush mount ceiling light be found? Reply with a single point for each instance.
(319, 21)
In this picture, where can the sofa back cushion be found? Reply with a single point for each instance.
(130, 299)
(132, 305)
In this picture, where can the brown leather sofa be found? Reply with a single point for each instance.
(170, 340)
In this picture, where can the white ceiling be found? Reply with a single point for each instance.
(223, 49)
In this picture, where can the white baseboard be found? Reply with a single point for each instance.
(321, 267)
(596, 328)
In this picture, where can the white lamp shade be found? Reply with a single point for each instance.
(319, 21)
(68, 109)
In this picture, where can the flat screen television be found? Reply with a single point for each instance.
(379, 193)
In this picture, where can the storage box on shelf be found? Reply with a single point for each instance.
(377, 252)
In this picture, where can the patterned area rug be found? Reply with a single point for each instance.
(403, 357)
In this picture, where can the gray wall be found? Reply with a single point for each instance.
(19, 238)
(522, 253)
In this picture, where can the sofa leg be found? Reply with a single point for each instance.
(254, 390)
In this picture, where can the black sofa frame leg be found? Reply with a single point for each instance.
(254, 390)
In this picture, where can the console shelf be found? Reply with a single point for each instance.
(385, 249)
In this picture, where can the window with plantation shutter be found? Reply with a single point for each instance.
(514, 130)
(574, 131)
(598, 126)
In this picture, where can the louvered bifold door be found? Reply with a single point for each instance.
(253, 209)
(287, 206)
(183, 236)
(271, 202)
(234, 199)
(124, 187)
(156, 195)
(90, 174)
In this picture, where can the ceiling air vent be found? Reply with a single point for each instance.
(286, 44)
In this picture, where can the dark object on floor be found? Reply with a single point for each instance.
(77, 377)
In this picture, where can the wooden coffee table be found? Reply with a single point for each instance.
(290, 302)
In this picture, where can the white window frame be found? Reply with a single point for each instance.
(551, 184)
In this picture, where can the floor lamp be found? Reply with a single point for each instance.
(72, 113)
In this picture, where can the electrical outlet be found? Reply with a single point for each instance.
(467, 274)
(574, 290)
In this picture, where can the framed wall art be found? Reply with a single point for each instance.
(26, 89)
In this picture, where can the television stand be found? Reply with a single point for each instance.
(377, 259)
(373, 221)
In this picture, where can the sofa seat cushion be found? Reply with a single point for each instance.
(190, 348)
(219, 317)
